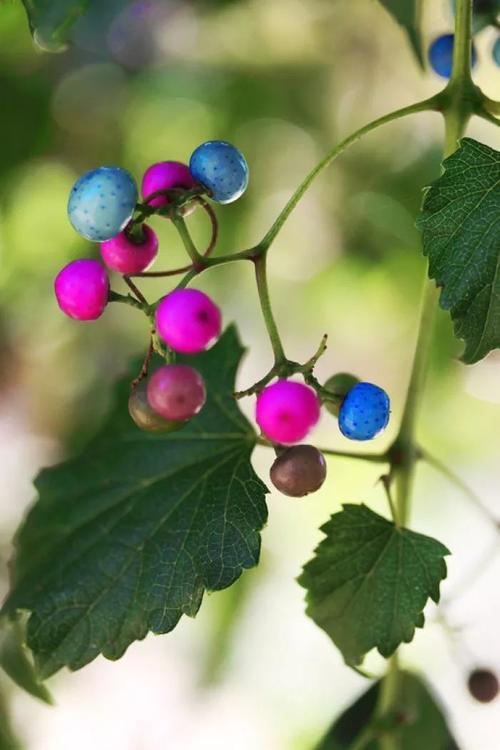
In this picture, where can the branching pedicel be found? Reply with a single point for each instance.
(169, 400)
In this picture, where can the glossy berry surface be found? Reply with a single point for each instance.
(188, 321)
(82, 289)
(221, 168)
(163, 176)
(441, 55)
(298, 471)
(483, 685)
(495, 53)
(125, 255)
(102, 202)
(339, 384)
(176, 392)
(144, 416)
(364, 412)
(286, 411)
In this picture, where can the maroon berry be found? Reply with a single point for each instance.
(176, 392)
(144, 416)
(483, 685)
(299, 470)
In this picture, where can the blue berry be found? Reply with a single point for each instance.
(496, 52)
(364, 412)
(441, 55)
(221, 168)
(101, 203)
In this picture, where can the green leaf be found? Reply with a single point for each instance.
(416, 720)
(369, 582)
(16, 662)
(51, 21)
(408, 14)
(127, 537)
(460, 224)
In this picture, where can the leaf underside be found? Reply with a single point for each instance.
(460, 224)
(407, 13)
(368, 583)
(417, 720)
(126, 538)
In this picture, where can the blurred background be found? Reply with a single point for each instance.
(284, 80)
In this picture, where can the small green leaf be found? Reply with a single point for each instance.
(369, 582)
(408, 14)
(126, 538)
(51, 21)
(460, 224)
(416, 720)
(16, 662)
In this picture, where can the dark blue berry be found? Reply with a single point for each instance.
(441, 55)
(364, 412)
(221, 168)
(496, 52)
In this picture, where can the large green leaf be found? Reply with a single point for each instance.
(460, 224)
(369, 581)
(408, 14)
(416, 720)
(126, 538)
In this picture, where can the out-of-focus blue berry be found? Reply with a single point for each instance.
(102, 202)
(364, 412)
(441, 55)
(495, 53)
(221, 168)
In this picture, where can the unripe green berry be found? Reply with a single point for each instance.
(483, 685)
(144, 416)
(298, 470)
(339, 384)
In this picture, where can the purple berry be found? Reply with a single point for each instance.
(298, 470)
(188, 321)
(286, 411)
(82, 289)
(144, 416)
(176, 392)
(126, 255)
(164, 176)
(364, 412)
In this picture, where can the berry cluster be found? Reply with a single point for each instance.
(103, 207)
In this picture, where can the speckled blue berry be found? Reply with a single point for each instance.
(495, 52)
(102, 202)
(441, 55)
(221, 168)
(365, 411)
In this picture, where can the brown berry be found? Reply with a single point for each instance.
(298, 470)
(483, 685)
(144, 416)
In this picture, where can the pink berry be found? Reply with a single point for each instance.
(176, 392)
(163, 176)
(82, 289)
(125, 255)
(286, 411)
(188, 321)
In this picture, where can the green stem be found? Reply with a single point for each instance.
(265, 303)
(188, 243)
(423, 106)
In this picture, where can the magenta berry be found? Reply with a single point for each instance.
(286, 411)
(188, 321)
(164, 176)
(176, 392)
(82, 289)
(127, 255)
